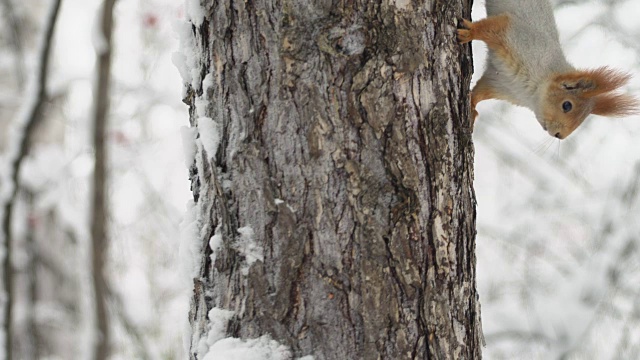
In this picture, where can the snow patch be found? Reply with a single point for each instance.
(195, 12)
(207, 84)
(187, 333)
(187, 58)
(217, 328)
(201, 106)
(189, 250)
(215, 345)
(180, 61)
(188, 144)
(262, 348)
(247, 247)
(214, 244)
(209, 135)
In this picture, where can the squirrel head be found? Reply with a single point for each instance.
(569, 98)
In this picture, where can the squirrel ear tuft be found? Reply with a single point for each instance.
(575, 81)
(615, 105)
(593, 82)
(606, 79)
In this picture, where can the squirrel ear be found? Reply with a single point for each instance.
(605, 80)
(615, 105)
(581, 84)
(593, 82)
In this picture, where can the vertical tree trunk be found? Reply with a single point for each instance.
(333, 178)
(99, 211)
(32, 341)
(29, 116)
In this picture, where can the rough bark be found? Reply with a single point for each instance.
(99, 211)
(346, 146)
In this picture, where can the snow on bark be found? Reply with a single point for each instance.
(216, 345)
(189, 242)
(189, 144)
(187, 58)
(208, 128)
(248, 248)
(262, 348)
(217, 327)
(209, 131)
(195, 12)
(214, 243)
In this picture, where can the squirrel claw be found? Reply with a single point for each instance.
(465, 34)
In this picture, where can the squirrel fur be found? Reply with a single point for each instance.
(526, 66)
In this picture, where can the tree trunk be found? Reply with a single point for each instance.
(99, 203)
(332, 181)
(19, 144)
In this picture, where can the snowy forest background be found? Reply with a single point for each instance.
(558, 232)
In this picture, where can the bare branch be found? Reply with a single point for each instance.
(99, 205)
(29, 117)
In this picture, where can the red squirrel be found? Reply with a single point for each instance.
(526, 66)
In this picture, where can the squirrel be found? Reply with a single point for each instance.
(526, 66)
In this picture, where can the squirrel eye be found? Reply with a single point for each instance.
(567, 106)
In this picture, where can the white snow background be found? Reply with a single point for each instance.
(558, 221)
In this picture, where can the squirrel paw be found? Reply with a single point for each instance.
(465, 35)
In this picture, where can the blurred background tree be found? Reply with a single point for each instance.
(148, 186)
(558, 230)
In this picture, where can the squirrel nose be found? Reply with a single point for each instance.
(558, 136)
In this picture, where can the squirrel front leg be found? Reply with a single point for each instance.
(482, 91)
(491, 30)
